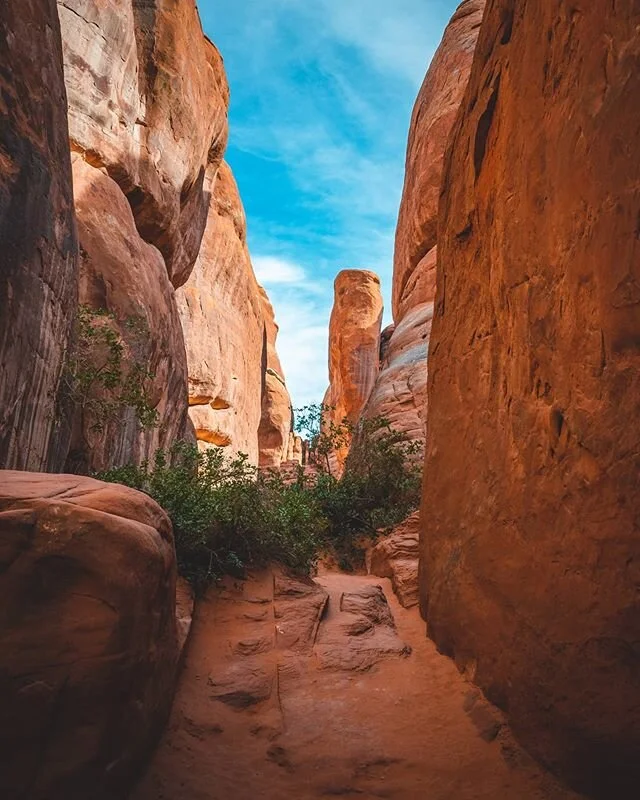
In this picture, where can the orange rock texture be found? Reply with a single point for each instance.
(88, 645)
(530, 546)
(147, 117)
(354, 346)
(148, 103)
(400, 391)
(237, 395)
(276, 440)
(38, 250)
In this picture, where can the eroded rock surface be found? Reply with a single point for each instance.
(311, 689)
(148, 102)
(221, 311)
(396, 556)
(88, 646)
(531, 495)
(276, 440)
(122, 274)
(354, 346)
(38, 249)
(400, 392)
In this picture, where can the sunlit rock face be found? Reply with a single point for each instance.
(120, 272)
(275, 437)
(354, 349)
(400, 391)
(148, 103)
(88, 642)
(222, 315)
(38, 249)
(147, 98)
(530, 541)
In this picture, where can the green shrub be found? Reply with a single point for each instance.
(226, 516)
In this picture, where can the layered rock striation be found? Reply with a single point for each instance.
(400, 391)
(222, 317)
(147, 120)
(531, 498)
(276, 441)
(38, 248)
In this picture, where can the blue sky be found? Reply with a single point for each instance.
(321, 97)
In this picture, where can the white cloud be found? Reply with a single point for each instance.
(271, 269)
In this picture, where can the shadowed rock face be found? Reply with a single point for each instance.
(38, 250)
(354, 345)
(88, 646)
(400, 392)
(275, 438)
(531, 497)
(148, 102)
(221, 311)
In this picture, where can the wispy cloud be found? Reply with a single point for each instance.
(321, 97)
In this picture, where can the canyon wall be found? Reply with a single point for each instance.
(147, 127)
(38, 249)
(400, 390)
(221, 309)
(147, 117)
(354, 348)
(276, 439)
(530, 545)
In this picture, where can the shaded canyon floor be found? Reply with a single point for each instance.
(329, 689)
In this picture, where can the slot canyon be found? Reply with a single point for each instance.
(176, 620)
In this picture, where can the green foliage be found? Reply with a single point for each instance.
(227, 516)
(315, 423)
(103, 375)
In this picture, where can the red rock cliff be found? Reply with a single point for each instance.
(530, 546)
(147, 116)
(275, 435)
(38, 250)
(222, 317)
(400, 391)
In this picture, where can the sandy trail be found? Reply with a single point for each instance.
(275, 703)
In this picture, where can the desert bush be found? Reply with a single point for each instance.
(227, 516)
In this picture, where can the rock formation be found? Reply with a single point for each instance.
(354, 346)
(88, 646)
(531, 502)
(276, 440)
(401, 389)
(38, 251)
(395, 556)
(148, 103)
(147, 116)
(221, 310)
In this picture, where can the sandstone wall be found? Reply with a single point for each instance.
(354, 346)
(148, 103)
(88, 645)
(221, 310)
(147, 115)
(38, 250)
(530, 546)
(400, 392)
(275, 438)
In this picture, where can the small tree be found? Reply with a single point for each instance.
(324, 436)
